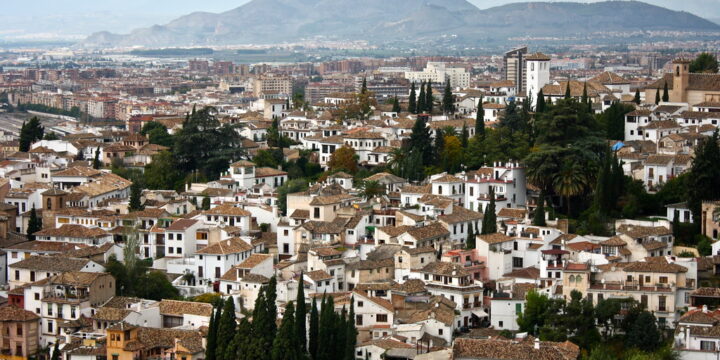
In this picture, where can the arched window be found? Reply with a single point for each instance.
(572, 279)
(677, 71)
(578, 279)
(49, 204)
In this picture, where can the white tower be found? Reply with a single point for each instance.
(538, 74)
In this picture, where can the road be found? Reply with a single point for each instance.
(12, 122)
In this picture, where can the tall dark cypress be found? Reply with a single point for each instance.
(636, 100)
(285, 343)
(470, 241)
(429, 100)
(364, 90)
(567, 90)
(448, 99)
(412, 101)
(300, 317)
(490, 218)
(421, 108)
(539, 218)
(421, 142)
(464, 136)
(540, 105)
(396, 105)
(326, 332)
(351, 333)
(666, 95)
(211, 343)
(96, 161)
(34, 224)
(226, 329)
(480, 120)
(314, 327)
(438, 148)
(657, 96)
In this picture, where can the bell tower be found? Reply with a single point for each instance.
(681, 80)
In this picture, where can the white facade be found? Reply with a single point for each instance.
(438, 72)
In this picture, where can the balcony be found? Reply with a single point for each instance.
(633, 286)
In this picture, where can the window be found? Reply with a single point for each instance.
(707, 345)
(440, 331)
(316, 212)
(661, 303)
(518, 309)
(286, 232)
(517, 262)
(19, 329)
(360, 304)
(37, 296)
(17, 274)
(500, 324)
(381, 318)
(359, 319)
(663, 280)
(50, 327)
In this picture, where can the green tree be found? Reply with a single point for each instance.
(285, 343)
(271, 298)
(135, 194)
(429, 99)
(464, 136)
(489, 223)
(163, 173)
(371, 189)
(539, 218)
(290, 187)
(34, 224)
(51, 136)
(422, 98)
(396, 106)
(30, 132)
(56, 351)
(226, 328)
(300, 318)
(704, 63)
(211, 339)
(704, 246)
(470, 241)
(448, 101)
(533, 316)
(452, 154)
(480, 120)
(439, 149)
(567, 90)
(657, 96)
(420, 141)
(313, 331)
(644, 333)
(351, 333)
(364, 89)
(703, 183)
(540, 104)
(666, 95)
(637, 100)
(412, 101)
(571, 180)
(206, 203)
(96, 161)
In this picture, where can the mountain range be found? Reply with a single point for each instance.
(276, 21)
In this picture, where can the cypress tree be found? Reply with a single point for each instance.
(567, 90)
(285, 343)
(490, 218)
(470, 241)
(704, 180)
(96, 161)
(666, 95)
(657, 96)
(412, 101)
(135, 201)
(448, 100)
(225, 329)
(421, 142)
(480, 120)
(438, 148)
(244, 343)
(271, 297)
(314, 327)
(211, 342)
(637, 96)
(29, 133)
(56, 351)
(421, 108)
(261, 326)
(351, 332)
(539, 218)
(676, 225)
(584, 94)
(540, 105)
(339, 334)
(326, 332)
(34, 224)
(363, 90)
(464, 136)
(300, 318)
(396, 106)
(429, 100)
(618, 178)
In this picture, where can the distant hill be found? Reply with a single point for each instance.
(273, 21)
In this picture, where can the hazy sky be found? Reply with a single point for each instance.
(48, 18)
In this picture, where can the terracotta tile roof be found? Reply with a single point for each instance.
(498, 349)
(706, 292)
(395, 230)
(447, 179)
(495, 238)
(412, 286)
(253, 261)
(179, 308)
(512, 213)
(445, 269)
(610, 78)
(150, 338)
(318, 275)
(698, 316)
(326, 251)
(181, 224)
(226, 209)
(267, 172)
(154, 213)
(416, 189)
(12, 313)
(77, 171)
(537, 56)
(525, 273)
(652, 245)
(300, 214)
(43, 246)
(696, 81)
(223, 247)
(387, 344)
(74, 231)
(371, 264)
(379, 301)
(460, 215)
(329, 199)
(635, 231)
(77, 278)
(111, 314)
(654, 267)
(432, 231)
(51, 263)
(614, 241)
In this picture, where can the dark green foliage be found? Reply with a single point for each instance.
(137, 281)
(396, 106)
(421, 107)
(271, 298)
(470, 241)
(73, 112)
(96, 161)
(480, 120)
(204, 144)
(438, 148)
(429, 99)
(289, 187)
(704, 63)
(314, 329)
(516, 118)
(637, 100)
(135, 201)
(157, 133)
(163, 173)
(489, 222)
(364, 89)
(540, 104)
(464, 136)
(704, 245)
(539, 218)
(56, 351)
(30, 132)
(225, 329)
(703, 183)
(412, 101)
(644, 333)
(285, 344)
(420, 141)
(448, 101)
(34, 224)
(206, 203)
(657, 96)
(666, 95)
(301, 318)
(567, 91)
(350, 333)
(50, 136)
(211, 340)
(613, 119)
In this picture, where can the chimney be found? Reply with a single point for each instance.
(537, 344)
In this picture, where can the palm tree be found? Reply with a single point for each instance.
(570, 181)
(395, 161)
(371, 189)
(449, 131)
